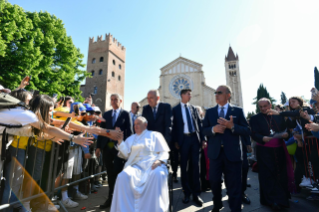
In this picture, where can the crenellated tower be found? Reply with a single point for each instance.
(106, 63)
(233, 77)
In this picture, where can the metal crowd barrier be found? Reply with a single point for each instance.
(310, 152)
(52, 175)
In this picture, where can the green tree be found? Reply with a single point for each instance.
(250, 114)
(36, 43)
(262, 93)
(283, 98)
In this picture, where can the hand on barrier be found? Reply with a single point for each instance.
(98, 152)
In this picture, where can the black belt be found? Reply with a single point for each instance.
(189, 134)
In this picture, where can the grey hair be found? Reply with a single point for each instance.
(228, 89)
(117, 96)
(264, 99)
(142, 119)
(156, 92)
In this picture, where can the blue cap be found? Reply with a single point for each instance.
(80, 105)
(88, 108)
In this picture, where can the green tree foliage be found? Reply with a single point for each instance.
(36, 43)
(261, 93)
(316, 78)
(250, 114)
(283, 98)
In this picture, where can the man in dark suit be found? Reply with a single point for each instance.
(246, 146)
(223, 125)
(188, 139)
(135, 106)
(117, 118)
(158, 116)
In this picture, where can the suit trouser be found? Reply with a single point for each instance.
(190, 150)
(245, 168)
(114, 165)
(173, 154)
(232, 175)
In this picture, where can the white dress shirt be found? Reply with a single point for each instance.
(186, 131)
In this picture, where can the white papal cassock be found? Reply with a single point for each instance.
(138, 188)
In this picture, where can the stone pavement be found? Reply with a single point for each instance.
(297, 203)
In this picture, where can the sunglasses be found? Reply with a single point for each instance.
(218, 92)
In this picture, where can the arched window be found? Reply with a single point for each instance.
(101, 59)
(93, 60)
(92, 73)
(95, 90)
(113, 62)
(113, 74)
(119, 78)
(120, 67)
(100, 72)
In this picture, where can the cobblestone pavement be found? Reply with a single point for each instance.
(297, 203)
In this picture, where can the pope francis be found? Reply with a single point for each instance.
(142, 185)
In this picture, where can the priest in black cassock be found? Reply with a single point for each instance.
(274, 165)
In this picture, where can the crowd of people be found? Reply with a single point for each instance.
(137, 149)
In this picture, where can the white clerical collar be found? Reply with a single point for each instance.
(225, 106)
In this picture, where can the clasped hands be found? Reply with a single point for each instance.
(223, 124)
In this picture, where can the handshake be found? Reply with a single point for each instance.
(223, 124)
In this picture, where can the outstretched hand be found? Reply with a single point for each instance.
(83, 141)
(24, 82)
(273, 112)
(312, 127)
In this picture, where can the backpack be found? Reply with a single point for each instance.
(7, 101)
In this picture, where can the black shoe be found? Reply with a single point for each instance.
(216, 208)
(186, 199)
(106, 204)
(245, 199)
(198, 201)
(275, 207)
(248, 185)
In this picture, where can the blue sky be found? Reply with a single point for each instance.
(277, 41)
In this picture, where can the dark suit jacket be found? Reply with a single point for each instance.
(178, 124)
(162, 123)
(245, 141)
(260, 126)
(230, 139)
(123, 121)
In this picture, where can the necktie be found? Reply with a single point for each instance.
(154, 112)
(222, 113)
(189, 122)
(114, 118)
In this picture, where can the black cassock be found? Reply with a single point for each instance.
(272, 168)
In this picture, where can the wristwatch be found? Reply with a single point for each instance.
(108, 132)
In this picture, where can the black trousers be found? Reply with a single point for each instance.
(174, 157)
(232, 176)
(244, 172)
(190, 149)
(114, 165)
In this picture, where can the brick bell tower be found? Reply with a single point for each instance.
(106, 63)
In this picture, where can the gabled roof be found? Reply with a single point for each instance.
(182, 58)
(230, 55)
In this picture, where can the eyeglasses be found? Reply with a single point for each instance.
(218, 92)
